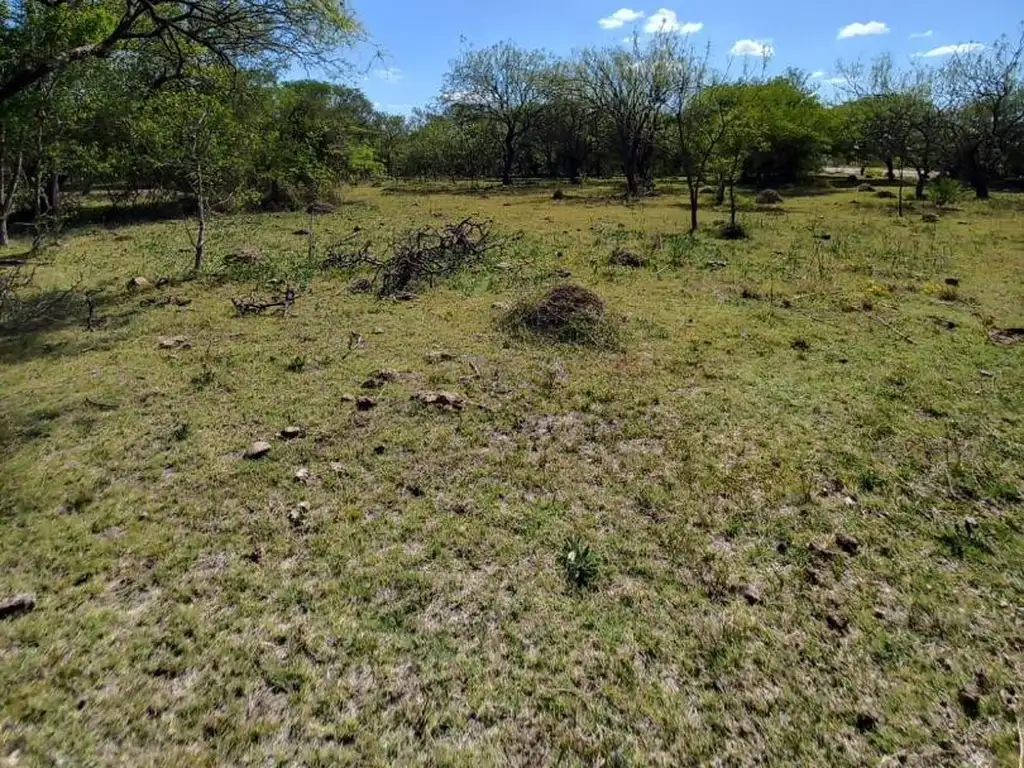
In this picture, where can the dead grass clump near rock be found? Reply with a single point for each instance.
(768, 197)
(733, 231)
(566, 314)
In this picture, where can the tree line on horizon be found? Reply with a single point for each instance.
(143, 100)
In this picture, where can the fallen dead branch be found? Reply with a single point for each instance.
(419, 258)
(251, 306)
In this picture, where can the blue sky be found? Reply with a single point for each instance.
(419, 37)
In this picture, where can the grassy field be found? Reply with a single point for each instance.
(407, 601)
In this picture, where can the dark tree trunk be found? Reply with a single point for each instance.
(508, 157)
(732, 204)
(5, 240)
(890, 173)
(53, 198)
(720, 193)
(980, 184)
(922, 179)
(694, 205)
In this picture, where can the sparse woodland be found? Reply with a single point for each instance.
(613, 409)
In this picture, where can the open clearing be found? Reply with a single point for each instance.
(405, 601)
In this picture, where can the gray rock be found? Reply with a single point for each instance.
(258, 450)
(292, 433)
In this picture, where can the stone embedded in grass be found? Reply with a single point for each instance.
(1007, 336)
(380, 378)
(867, 721)
(258, 450)
(751, 594)
(297, 517)
(292, 433)
(174, 342)
(138, 285)
(303, 475)
(970, 701)
(16, 606)
(448, 401)
(847, 543)
(366, 403)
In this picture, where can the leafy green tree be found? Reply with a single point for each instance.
(502, 85)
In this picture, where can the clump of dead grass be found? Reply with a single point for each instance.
(566, 314)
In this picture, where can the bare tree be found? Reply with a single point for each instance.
(12, 172)
(503, 85)
(632, 89)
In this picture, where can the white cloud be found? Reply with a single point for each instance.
(761, 48)
(860, 29)
(389, 74)
(620, 18)
(835, 81)
(950, 50)
(817, 74)
(664, 20)
(920, 35)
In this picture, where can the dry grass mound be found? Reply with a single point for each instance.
(621, 257)
(865, 187)
(566, 314)
(768, 197)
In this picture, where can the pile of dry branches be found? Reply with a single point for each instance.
(282, 300)
(420, 257)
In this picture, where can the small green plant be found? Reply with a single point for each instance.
(580, 563)
(946, 192)
(297, 365)
(181, 432)
(204, 378)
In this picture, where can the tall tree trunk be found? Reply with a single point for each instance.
(197, 264)
(732, 203)
(890, 173)
(720, 192)
(508, 157)
(922, 179)
(694, 205)
(5, 240)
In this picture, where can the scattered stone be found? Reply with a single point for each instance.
(380, 378)
(865, 187)
(293, 433)
(174, 342)
(347, 398)
(751, 594)
(337, 467)
(1007, 336)
(867, 721)
(929, 218)
(297, 517)
(717, 264)
(837, 623)
(258, 450)
(820, 551)
(970, 700)
(16, 606)
(986, 374)
(847, 543)
(303, 475)
(953, 282)
(880, 614)
(366, 403)
(441, 357)
(768, 197)
(448, 401)
(138, 285)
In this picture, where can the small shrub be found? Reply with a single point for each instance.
(946, 192)
(580, 564)
(733, 230)
(297, 365)
(768, 197)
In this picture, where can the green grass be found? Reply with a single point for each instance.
(420, 610)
